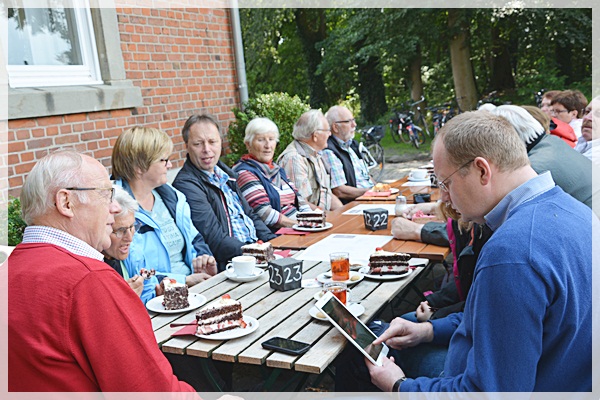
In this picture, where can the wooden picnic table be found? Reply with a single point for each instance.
(286, 314)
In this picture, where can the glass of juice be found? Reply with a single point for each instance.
(339, 290)
(340, 266)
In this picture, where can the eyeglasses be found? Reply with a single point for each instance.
(346, 121)
(133, 228)
(165, 160)
(112, 191)
(323, 130)
(443, 185)
(554, 112)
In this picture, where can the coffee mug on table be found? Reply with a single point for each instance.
(242, 265)
(419, 174)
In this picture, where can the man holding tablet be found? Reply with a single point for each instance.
(527, 323)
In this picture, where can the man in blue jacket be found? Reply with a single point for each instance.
(527, 323)
(219, 210)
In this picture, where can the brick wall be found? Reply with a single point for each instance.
(183, 61)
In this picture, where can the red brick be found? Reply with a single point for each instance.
(15, 181)
(26, 156)
(70, 118)
(54, 120)
(66, 139)
(21, 123)
(23, 168)
(15, 147)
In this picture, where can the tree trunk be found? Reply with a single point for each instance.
(460, 56)
(311, 28)
(416, 80)
(371, 90)
(501, 70)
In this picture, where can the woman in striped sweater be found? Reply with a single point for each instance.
(264, 183)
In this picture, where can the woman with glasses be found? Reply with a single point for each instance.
(167, 240)
(264, 183)
(121, 237)
(567, 106)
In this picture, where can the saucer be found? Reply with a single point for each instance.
(230, 274)
(355, 309)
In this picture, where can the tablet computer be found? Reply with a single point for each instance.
(355, 331)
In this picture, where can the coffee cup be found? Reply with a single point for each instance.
(242, 265)
(418, 174)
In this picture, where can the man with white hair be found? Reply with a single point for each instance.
(303, 163)
(74, 323)
(349, 173)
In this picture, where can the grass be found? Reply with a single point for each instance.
(392, 148)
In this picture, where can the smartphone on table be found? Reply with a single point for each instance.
(287, 346)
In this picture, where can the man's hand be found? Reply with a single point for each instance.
(137, 284)
(426, 208)
(195, 279)
(385, 376)
(159, 289)
(205, 264)
(405, 229)
(424, 312)
(403, 334)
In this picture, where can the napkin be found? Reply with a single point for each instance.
(283, 253)
(186, 330)
(290, 231)
(370, 193)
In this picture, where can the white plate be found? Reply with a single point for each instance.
(394, 190)
(355, 309)
(265, 265)
(302, 228)
(323, 279)
(252, 325)
(412, 262)
(418, 180)
(195, 300)
(426, 166)
(257, 273)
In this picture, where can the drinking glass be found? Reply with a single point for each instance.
(340, 266)
(339, 290)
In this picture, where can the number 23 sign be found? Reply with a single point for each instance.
(285, 274)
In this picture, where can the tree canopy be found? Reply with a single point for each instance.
(375, 59)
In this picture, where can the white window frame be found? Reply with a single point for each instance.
(20, 76)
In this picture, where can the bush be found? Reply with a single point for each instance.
(280, 108)
(16, 225)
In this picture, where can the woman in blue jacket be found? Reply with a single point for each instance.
(167, 241)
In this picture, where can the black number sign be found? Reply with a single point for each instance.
(285, 274)
(376, 219)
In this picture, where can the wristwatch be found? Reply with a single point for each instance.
(396, 387)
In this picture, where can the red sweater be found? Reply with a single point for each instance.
(74, 325)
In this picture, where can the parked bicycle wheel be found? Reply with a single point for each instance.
(418, 137)
(394, 132)
(376, 151)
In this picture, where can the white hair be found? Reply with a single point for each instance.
(524, 123)
(307, 124)
(487, 107)
(55, 171)
(127, 203)
(260, 126)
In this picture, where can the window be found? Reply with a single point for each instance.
(79, 68)
(51, 46)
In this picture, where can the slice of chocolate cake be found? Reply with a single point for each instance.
(388, 263)
(221, 316)
(311, 219)
(176, 295)
(262, 251)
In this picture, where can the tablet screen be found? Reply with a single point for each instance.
(362, 336)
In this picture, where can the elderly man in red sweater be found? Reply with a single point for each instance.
(74, 325)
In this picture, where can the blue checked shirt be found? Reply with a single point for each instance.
(46, 234)
(336, 169)
(241, 225)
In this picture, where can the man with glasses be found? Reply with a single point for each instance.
(349, 173)
(589, 142)
(528, 314)
(74, 324)
(566, 106)
(303, 163)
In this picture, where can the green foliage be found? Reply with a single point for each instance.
(280, 108)
(16, 225)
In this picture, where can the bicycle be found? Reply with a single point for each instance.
(371, 150)
(408, 129)
(396, 125)
(441, 115)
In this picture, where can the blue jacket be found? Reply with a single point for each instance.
(149, 250)
(209, 212)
